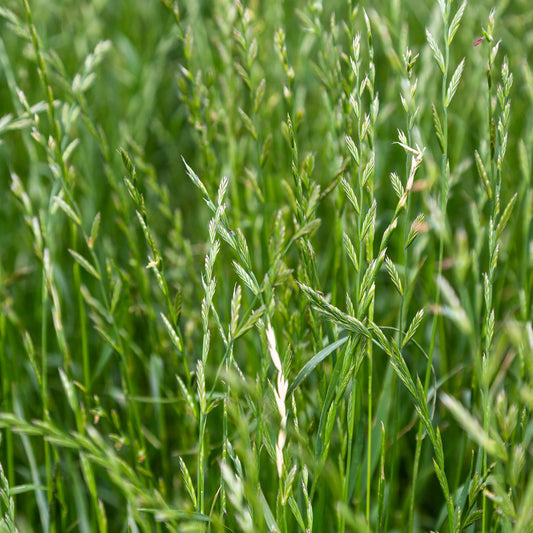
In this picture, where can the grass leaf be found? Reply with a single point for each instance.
(314, 362)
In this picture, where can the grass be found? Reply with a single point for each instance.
(266, 266)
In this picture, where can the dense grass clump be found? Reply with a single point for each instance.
(266, 266)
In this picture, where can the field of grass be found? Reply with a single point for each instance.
(266, 266)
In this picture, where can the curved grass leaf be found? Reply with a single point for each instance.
(314, 362)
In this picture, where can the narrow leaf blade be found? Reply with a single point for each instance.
(313, 363)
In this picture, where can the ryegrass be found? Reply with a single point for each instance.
(266, 266)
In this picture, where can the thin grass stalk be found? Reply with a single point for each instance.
(6, 371)
(370, 254)
(44, 381)
(495, 182)
(225, 442)
(365, 124)
(362, 151)
(445, 6)
(356, 107)
(498, 147)
(409, 105)
(351, 424)
(492, 188)
(381, 484)
(356, 104)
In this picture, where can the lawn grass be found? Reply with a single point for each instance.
(266, 266)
